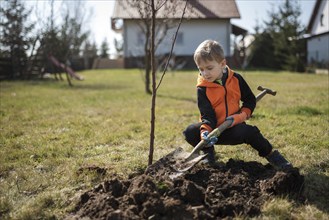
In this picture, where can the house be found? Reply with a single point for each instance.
(318, 39)
(204, 19)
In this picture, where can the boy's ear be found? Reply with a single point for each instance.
(223, 63)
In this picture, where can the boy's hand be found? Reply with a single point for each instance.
(211, 140)
(237, 118)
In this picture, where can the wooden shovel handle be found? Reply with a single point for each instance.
(215, 133)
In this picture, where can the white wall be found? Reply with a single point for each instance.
(318, 43)
(318, 49)
(323, 16)
(130, 41)
(193, 33)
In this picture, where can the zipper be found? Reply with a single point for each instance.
(225, 77)
(226, 106)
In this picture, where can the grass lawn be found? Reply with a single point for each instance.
(53, 137)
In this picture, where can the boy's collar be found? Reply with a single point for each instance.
(219, 81)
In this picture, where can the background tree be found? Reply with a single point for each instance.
(72, 34)
(280, 45)
(15, 36)
(161, 28)
(89, 54)
(263, 51)
(65, 40)
(104, 49)
(50, 37)
(118, 44)
(155, 86)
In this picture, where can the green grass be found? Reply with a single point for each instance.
(50, 134)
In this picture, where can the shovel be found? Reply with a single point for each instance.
(177, 162)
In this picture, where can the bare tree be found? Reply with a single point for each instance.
(66, 40)
(162, 24)
(155, 87)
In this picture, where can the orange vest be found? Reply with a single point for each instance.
(225, 100)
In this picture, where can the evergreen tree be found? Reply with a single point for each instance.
(89, 54)
(68, 38)
(263, 52)
(280, 45)
(15, 36)
(118, 44)
(104, 49)
(50, 40)
(285, 29)
(72, 36)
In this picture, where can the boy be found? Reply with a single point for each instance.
(219, 92)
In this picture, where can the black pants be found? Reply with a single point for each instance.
(239, 134)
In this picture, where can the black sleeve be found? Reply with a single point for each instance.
(208, 115)
(247, 96)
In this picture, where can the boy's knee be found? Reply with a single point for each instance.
(258, 142)
(249, 133)
(253, 131)
(192, 134)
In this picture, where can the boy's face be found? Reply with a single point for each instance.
(211, 70)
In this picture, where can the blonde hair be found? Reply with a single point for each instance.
(209, 50)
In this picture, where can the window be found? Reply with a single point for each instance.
(321, 20)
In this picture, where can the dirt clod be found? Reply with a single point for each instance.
(237, 188)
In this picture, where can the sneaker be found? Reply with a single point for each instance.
(278, 161)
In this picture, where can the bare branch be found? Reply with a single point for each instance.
(172, 46)
(161, 5)
(146, 2)
(133, 4)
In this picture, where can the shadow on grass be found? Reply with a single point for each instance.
(258, 115)
(316, 187)
(302, 110)
(96, 87)
(62, 84)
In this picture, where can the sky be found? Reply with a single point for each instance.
(251, 11)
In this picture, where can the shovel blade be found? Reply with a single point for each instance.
(175, 163)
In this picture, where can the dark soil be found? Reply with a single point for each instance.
(236, 188)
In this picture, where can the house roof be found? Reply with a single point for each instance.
(313, 16)
(236, 30)
(201, 9)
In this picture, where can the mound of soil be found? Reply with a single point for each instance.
(236, 188)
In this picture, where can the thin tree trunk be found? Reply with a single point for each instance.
(147, 60)
(150, 161)
(153, 67)
(148, 70)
